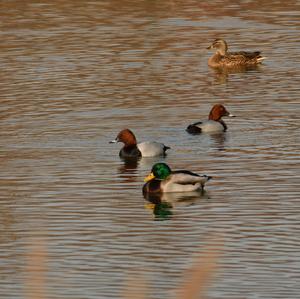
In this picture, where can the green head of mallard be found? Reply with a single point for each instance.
(159, 171)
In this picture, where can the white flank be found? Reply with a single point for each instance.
(183, 182)
(151, 148)
(211, 126)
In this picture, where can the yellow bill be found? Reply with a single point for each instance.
(150, 206)
(149, 177)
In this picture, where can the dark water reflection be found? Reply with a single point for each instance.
(161, 205)
(130, 165)
(73, 74)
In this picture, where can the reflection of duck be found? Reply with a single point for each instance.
(214, 123)
(128, 169)
(223, 58)
(130, 163)
(161, 204)
(162, 179)
(222, 74)
(161, 210)
(219, 140)
(144, 149)
(176, 198)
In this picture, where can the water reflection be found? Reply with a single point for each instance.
(216, 140)
(161, 204)
(219, 140)
(129, 164)
(148, 162)
(91, 67)
(222, 74)
(161, 210)
(7, 221)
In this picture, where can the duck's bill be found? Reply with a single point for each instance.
(149, 177)
(210, 47)
(113, 141)
(150, 206)
(231, 115)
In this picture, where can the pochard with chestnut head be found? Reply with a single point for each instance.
(214, 124)
(133, 149)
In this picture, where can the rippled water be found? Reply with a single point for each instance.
(73, 74)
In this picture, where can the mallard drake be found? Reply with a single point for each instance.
(162, 179)
(132, 149)
(223, 58)
(214, 124)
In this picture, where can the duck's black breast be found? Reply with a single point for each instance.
(130, 151)
(153, 186)
(223, 124)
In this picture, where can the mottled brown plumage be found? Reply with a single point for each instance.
(223, 58)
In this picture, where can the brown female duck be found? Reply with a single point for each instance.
(223, 58)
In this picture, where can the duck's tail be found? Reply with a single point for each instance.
(166, 148)
(260, 59)
(205, 178)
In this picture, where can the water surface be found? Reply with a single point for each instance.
(74, 74)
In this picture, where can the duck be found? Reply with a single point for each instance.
(132, 149)
(223, 58)
(163, 179)
(214, 124)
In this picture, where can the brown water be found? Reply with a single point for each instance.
(74, 73)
